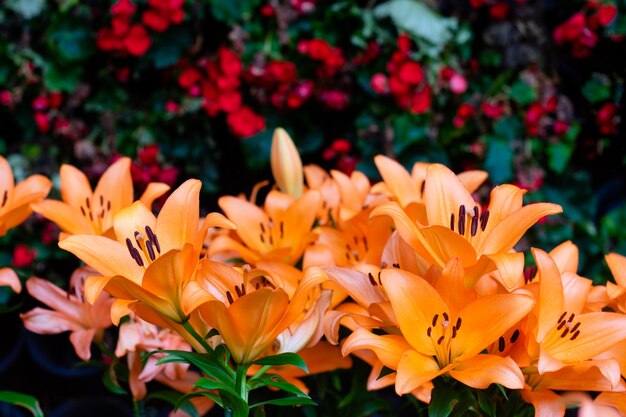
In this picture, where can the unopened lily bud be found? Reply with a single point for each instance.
(286, 164)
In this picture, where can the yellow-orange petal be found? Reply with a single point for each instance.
(398, 181)
(115, 185)
(415, 370)
(509, 231)
(388, 348)
(546, 403)
(75, 187)
(415, 303)
(106, 256)
(565, 257)
(444, 193)
(68, 218)
(153, 191)
(510, 269)
(550, 303)
(480, 371)
(617, 265)
(486, 319)
(178, 220)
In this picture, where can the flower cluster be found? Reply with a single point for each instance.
(580, 31)
(423, 276)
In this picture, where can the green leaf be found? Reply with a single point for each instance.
(207, 363)
(233, 11)
(431, 30)
(287, 358)
(559, 155)
(237, 404)
(26, 8)
(487, 405)
(109, 379)
(168, 48)
(70, 42)
(174, 398)
(212, 384)
(597, 89)
(443, 400)
(27, 401)
(62, 78)
(286, 401)
(275, 381)
(499, 160)
(523, 93)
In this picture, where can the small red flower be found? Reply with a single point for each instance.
(244, 123)
(499, 11)
(411, 73)
(123, 8)
(172, 106)
(341, 145)
(155, 20)
(404, 43)
(43, 122)
(606, 14)
(148, 154)
(41, 103)
(137, 42)
(56, 99)
(380, 83)
(420, 102)
(6, 98)
(230, 63)
(188, 77)
(23, 256)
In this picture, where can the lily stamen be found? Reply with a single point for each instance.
(5, 198)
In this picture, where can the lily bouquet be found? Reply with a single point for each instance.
(415, 275)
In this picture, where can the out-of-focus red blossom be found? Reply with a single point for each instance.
(123, 74)
(172, 106)
(61, 126)
(420, 102)
(148, 154)
(49, 233)
(334, 99)
(188, 77)
(492, 110)
(6, 98)
(328, 154)
(403, 43)
(244, 122)
(341, 145)
(41, 103)
(464, 112)
(155, 20)
(267, 10)
(370, 54)
(571, 29)
(560, 127)
(499, 11)
(23, 256)
(318, 49)
(303, 6)
(42, 121)
(229, 62)
(410, 72)
(123, 8)
(169, 175)
(476, 4)
(607, 119)
(137, 42)
(56, 99)
(606, 14)
(347, 163)
(380, 83)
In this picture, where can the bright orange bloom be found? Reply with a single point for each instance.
(457, 227)
(69, 312)
(87, 211)
(564, 335)
(153, 259)
(617, 265)
(15, 200)
(279, 232)
(438, 341)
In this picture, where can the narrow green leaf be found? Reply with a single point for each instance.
(27, 401)
(287, 358)
(109, 379)
(275, 381)
(206, 362)
(211, 384)
(237, 404)
(286, 401)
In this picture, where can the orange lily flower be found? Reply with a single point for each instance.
(319, 180)
(617, 265)
(9, 278)
(437, 341)
(457, 227)
(151, 265)
(69, 312)
(564, 336)
(408, 189)
(15, 200)
(279, 232)
(87, 211)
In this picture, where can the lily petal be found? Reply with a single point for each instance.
(414, 370)
(9, 278)
(480, 371)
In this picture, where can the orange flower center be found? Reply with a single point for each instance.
(441, 332)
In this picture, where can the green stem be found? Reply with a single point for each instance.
(261, 371)
(196, 336)
(139, 408)
(240, 381)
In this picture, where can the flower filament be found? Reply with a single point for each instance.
(441, 332)
(149, 247)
